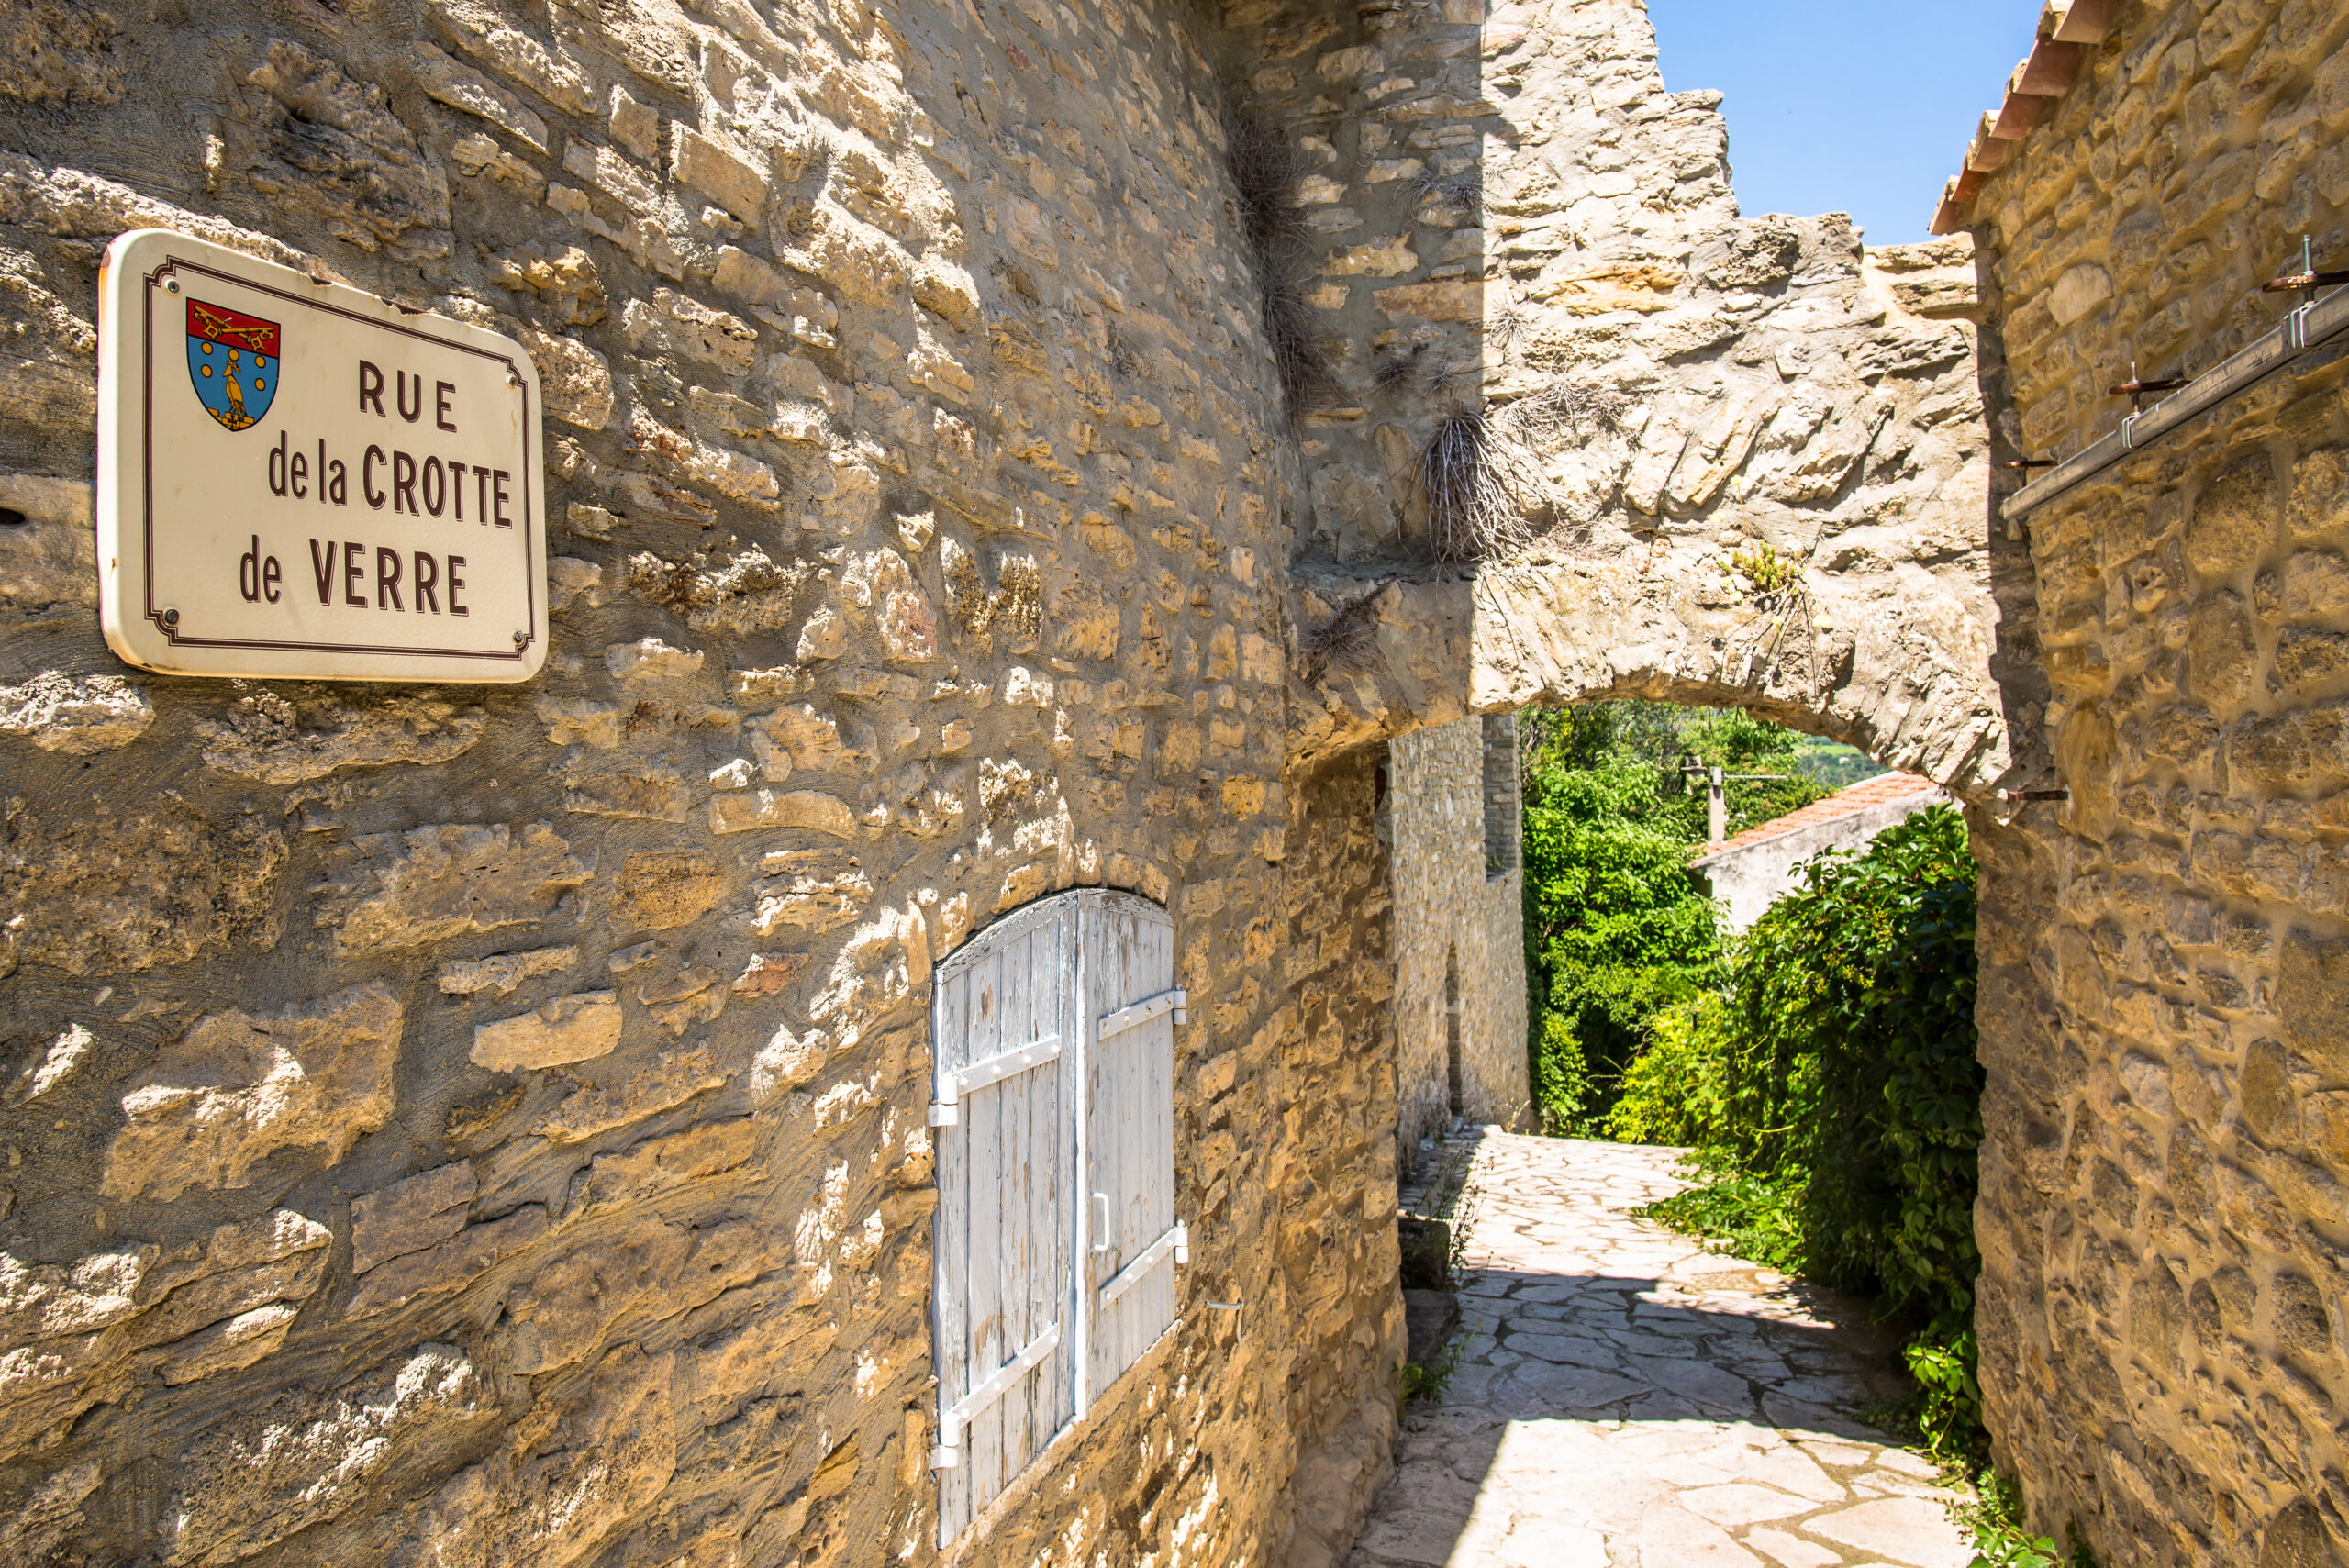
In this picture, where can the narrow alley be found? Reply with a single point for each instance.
(1625, 1399)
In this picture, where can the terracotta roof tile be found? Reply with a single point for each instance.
(2058, 52)
(1844, 803)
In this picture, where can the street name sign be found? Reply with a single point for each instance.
(300, 479)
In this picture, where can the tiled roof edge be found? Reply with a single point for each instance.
(2067, 30)
(1819, 812)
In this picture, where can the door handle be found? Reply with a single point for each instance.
(1100, 1222)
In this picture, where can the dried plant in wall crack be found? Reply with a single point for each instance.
(1568, 408)
(1465, 472)
(1465, 189)
(1393, 370)
(1264, 176)
(1343, 641)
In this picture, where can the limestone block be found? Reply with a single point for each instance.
(56, 1063)
(461, 88)
(858, 261)
(449, 1266)
(813, 898)
(270, 738)
(232, 1299)
(1448, 299)
(230, 1345)
(2080, 291)
(307, 1458)
(48, 1301)
(2234, 519)
(2312, 1000)
(658, 1164)
(652, 791)
(718, 171)
(78, 715)
(485, 33)
(2222, 661)
(401, 890)
(878, 589)
(674, 1078)
(742, 593)
(681, 995)
(947, 291)
(804, 740)
(545, 1503)
(274, 128)
(809, 810)
(574, 381)
(49, 1517)
(236, 1089)
(577, 1027)
(410, 1216)
(2306, 658)
(501, 972)
(49, 558)
(2295, 748)
(658, 890)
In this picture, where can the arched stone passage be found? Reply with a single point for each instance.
(1747, 459)
(1903, 669)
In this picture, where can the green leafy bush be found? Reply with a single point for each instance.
(1561, 1077)
(1852, 1099)
(1676, 1090)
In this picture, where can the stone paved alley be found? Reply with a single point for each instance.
(1625, 1399)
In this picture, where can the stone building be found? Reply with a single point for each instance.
(994, 466)
(1748, 874)
(1452, 823)
(2161, 1217)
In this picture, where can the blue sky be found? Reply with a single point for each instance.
(1846, 106)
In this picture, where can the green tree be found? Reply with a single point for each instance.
(1616, 931)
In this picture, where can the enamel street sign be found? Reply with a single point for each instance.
(296, 478)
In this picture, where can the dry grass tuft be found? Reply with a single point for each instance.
(1396, 370)
(1465, 189)
(1481, 471)
(1343, 641)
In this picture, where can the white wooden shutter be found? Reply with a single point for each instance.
(1131, 1238)
(1007, 1049)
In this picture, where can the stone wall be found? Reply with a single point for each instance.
(1335, 1177)
(1749, 449)
(1458, 940)
(2162, 990)
(485, 1126)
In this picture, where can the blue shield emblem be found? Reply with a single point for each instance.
(232, 364)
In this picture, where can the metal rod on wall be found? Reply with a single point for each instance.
(2306, 329)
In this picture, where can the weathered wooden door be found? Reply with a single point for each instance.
(1132, 1241)
(1005, 1029)
(1052, 1099)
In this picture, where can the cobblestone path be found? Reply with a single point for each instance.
(1627, 1400)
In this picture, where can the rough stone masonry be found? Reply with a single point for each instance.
(485, 1126)
(2162, 1215)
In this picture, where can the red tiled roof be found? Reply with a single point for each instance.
(1844, 803)
(2066, 29)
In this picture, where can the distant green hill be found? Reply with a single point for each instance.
(1834, 765)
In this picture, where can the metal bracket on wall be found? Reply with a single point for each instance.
(2307, 329)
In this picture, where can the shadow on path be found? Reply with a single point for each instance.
(1625, 1399)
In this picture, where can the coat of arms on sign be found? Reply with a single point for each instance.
(232, 362)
